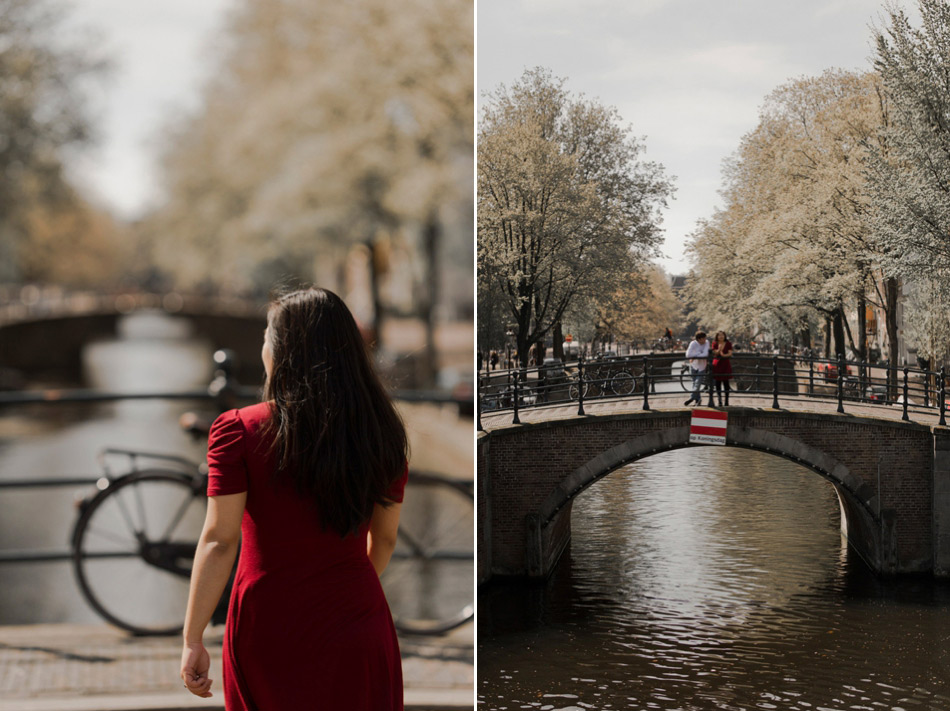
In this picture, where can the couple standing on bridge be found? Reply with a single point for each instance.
(698, 354)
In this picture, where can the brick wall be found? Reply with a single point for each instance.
(482, 510)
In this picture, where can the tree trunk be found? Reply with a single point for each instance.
(805, 336)
(375, 274)
(862, 328)
(558, 340)
(521, 341)
(847, 329)
(838, 328)
(539, 351)
(827, 337)
(430, 246)
(891, 288)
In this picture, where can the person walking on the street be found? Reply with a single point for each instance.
(722, 364)
(493, 359)
(697, 353)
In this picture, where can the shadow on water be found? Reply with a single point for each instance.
(854, 580)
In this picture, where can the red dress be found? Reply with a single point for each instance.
(308, 626)
(722, 367)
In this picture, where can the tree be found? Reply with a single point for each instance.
(566, 207)
(792, 242)
(328, 126)
(927, 317)
(642, 309)
(43, 115)
(910, 172)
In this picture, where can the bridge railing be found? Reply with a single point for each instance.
(35, 302)
(223, 393)
(776, 378)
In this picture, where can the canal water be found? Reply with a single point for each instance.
(157, 353)
(152, 352)
(713, 578)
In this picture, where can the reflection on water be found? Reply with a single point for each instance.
(153, 352)
(712, 578)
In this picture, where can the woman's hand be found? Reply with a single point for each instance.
(195, 663)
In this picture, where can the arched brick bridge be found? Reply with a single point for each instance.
(48, 333)
(892, 478)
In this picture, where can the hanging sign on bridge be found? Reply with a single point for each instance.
(708, 427)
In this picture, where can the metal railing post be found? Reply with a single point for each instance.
(646, 383)
(841, 382)
(943, 396)
(709, 380)
(906, 372)
(516, 420)
(775, 383)
(580, 385)
(478, 401)
(811, 376)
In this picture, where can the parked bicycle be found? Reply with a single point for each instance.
(134, 541)
(603, 380)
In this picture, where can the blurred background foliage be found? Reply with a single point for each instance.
(333, 143)
(48, 231)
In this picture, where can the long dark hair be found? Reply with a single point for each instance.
(334, 429)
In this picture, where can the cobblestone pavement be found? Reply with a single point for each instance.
(98, 668)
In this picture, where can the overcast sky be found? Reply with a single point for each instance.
(159, 50)
(689, 75)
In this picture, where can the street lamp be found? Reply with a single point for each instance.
(509, 335)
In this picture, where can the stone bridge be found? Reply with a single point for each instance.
(46, 334)
(892, 478)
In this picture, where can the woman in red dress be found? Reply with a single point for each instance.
(310, 483)
(721, 350)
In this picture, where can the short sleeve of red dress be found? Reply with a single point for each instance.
(397, 489)
(227, 464)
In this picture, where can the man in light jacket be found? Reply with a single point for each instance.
(698, 355)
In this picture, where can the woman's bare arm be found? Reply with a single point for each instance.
(382, 535)
(214, 559)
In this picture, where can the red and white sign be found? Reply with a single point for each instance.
(708, 427)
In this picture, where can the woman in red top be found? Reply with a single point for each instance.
(309, 482)
(721, 350)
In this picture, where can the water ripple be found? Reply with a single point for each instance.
(712, 578)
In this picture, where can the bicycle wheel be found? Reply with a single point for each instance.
(430, 578)
(622, 383)
(133, 548)
(742, 382)
(596, 385)
(686, 379)
(573, 390)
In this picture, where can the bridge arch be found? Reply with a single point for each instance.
(861, 519)
(892, 479)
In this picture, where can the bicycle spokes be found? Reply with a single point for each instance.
(429, 582)
(133, 550)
